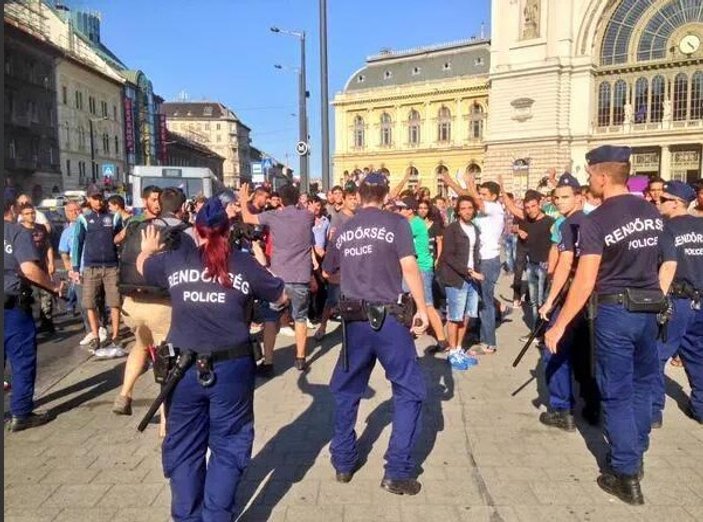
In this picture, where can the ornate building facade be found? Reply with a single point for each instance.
(426, 106)
(569, 75)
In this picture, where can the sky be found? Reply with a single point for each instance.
(223, 50)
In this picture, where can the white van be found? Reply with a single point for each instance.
(191, 180)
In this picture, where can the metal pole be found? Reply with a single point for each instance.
(303, 117)
(92, 151)
(324, 97)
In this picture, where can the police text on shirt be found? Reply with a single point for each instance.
(634, 226)
(201, 276)
(375, 233)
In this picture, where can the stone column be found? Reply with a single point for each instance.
(665, 162)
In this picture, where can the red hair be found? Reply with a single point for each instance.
(215, 252)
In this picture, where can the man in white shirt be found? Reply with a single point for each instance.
(24, 199)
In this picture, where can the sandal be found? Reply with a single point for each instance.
(482, 349)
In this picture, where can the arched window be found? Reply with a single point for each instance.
(442, 188)
(359, 132)
(444, 125)
(657, 105)
(414, 179)
(680, 96)
(697, 96)
(640, 105)
(604, 104)
(414, 127)
(476, 125)
(619, 99)
(386, 130)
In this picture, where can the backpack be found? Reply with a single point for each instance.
(130, 282)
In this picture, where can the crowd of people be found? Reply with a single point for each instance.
(287, 263)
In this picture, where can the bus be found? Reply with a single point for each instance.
(192, 180)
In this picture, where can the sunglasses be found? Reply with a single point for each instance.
(664, 199)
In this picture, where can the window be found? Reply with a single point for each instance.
(697, 96)
(217, 126)
(114, 112)
(476, 125)
(416, 71)
(68, 136)
(640, 105)
(117, 146)
(81, 138)
(91, 104)
(604, 104)
(447, 66)
(64, 94)
(657, 105)
(217, 138)
(68, 167)
(478, 61)
(103, 108)
(386, 130)
(387, 75)
(206, 126)
(444, 125)
(106, 143)
(79, 100)
(207, 111)
(680, 96)
(619, 99)
(360, 78)
(414, 127)
(359, 132)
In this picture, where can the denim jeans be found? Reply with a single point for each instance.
(490, 269)
(462, 302)
(537, 284)
(510, 246)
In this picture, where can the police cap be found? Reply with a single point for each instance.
(608, 154)
(212, 214)
(567, 180)
(680, 190)
(375, 178)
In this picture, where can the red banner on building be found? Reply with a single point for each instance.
(163, 137)
(128, 126)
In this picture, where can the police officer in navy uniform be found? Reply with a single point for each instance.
(374, 252)
(619, 244)
(210, 286)
(572, 354)
(21, 266)
(681, 274)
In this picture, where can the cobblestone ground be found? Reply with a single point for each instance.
(483, 454)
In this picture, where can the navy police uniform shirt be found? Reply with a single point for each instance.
(569, 235)
(207, 316)
(367, 251)
(682, 241)
(19, 248)
(625, 231)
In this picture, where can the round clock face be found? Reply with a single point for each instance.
(689, 44)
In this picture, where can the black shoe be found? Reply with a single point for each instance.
(656, 424)
(32, 420)
(47, 327)
(625, 487)
(344, 478)
(300, 363)
(563, 420)
(265, 370)
(401, 486)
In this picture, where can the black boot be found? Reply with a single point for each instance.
(562, 419)
(625, 487)
(32, 420)
(401, 486)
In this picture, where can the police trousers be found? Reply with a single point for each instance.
(394, 348)
(626, 355)
(21, 349)
(572, 358)
(685, 336)
(219, 417)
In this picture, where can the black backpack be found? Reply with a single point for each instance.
(130, 281)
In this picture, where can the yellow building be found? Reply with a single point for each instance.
(425, 106)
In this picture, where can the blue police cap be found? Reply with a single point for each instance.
(681, 190)
(212, 214)
(375, 178)
(567, 180)
(608, 154)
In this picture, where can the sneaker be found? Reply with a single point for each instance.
(122, 405)
(563, 420)
(255, 328)
(93, 345)
(111, 351)
(102, 334)
(265, 370)
(32, 420)
(310, 325)
(458, 360)
(87, 339)
(6, 386)
(287, 330)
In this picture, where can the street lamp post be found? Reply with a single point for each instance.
(302, 106)
(324, 100)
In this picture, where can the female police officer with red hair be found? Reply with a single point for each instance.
(213, 405)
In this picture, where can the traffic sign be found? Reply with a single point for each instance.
(301, 148)
(108, 170)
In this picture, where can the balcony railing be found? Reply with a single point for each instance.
(648, 128)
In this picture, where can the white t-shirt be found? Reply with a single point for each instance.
(470, 231)
(490, 222)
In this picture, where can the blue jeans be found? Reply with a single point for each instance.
(685, 336)
(537, 284)
(626, 355)
(510, 246)
(462, 302)
(490, 269)
(20, 344)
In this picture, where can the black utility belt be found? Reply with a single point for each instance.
(637, 300)
(686, 291)
(23, 301)
(352, 310)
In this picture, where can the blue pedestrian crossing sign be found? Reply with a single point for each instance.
(108, 170)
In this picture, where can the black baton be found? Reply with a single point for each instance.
(535, 332)
(182, 364)
(343, 354)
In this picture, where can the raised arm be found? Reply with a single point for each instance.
(247, 216)
(453, 184)
(399, 187)
(510, 205)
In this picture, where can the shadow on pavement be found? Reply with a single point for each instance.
(675, 391)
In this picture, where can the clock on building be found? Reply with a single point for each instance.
(690, 43)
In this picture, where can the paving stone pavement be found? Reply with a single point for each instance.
(483, 454)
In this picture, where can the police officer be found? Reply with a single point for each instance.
(373, 253)
(572, 354)
(618, 263)
(21, 264)
(681, 274)
(210, 286)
